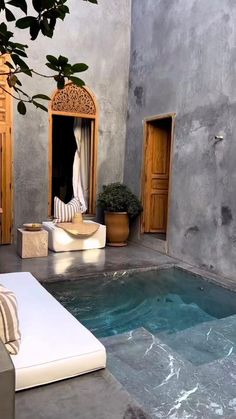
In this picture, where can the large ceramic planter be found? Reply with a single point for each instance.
(117, 224)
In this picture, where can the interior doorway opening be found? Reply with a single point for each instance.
(62, 157)
(72, 146)
(158, 136)
(73, 138)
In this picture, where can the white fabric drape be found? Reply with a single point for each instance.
(81, 163)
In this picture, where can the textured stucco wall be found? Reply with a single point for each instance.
(100, 36)
(183, 56)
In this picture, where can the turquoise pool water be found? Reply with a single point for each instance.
(160, 300)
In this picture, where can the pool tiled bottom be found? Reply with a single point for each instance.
(176, 385)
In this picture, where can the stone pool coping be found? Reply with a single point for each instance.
(109, 261)
(206, 275)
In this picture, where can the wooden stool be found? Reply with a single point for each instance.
(32, 244)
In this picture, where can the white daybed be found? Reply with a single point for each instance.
(54, 344)
(61, 241)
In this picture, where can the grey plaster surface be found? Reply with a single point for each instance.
(183, 61)
(168, 385)
(98, 35)
(92, 396)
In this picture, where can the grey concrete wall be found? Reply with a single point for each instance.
(100, 36)
(183, 60)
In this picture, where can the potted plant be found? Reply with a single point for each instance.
(120, 206)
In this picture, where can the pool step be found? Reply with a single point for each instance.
(205, 342)
(146, 367)
(167, 385)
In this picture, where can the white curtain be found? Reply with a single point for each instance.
(81, 165)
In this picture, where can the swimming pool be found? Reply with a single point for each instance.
(169, 335)
(165, 300)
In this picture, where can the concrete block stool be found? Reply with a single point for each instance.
(32, 244)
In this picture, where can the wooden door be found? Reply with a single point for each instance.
(5, 158)
(157, 164)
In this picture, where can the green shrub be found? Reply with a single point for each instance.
(117, 197)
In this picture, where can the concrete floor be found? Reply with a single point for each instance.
(72, 265)
(97, 395)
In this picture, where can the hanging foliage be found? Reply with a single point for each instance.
(42, 22)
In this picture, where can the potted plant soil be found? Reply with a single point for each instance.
(120, 206)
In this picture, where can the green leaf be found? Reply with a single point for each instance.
(20, 52)
(66, 69)
(45, 24)
(60, 81)
(47, 4)
(76, 81)
(19, 3)
(41, 96)
(37, 4)
(46, 30)
(9, 15)
(62, 60)
(24, 68)
(61, 12)
(18, 61)
(3, 28)
(52, 59)
(34, 30)
(79, 67)
(26, 71)
(18, 82)
(9, 65)
(39, 105)
(52, 22)
(21, 107)
(65, 9)
(12, 80)
(2, 5)
(26, 22)
(52, 66)
(20, 46)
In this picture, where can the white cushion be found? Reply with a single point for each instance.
(65, 212)
(54, 345)
(61, 241)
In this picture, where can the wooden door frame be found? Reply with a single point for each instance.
(172, 116)
(94, 117)
(6, 164)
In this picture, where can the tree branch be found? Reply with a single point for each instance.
(15, 97)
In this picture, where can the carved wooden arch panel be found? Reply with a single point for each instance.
(73, 99)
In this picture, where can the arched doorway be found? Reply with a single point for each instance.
(73, 114)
